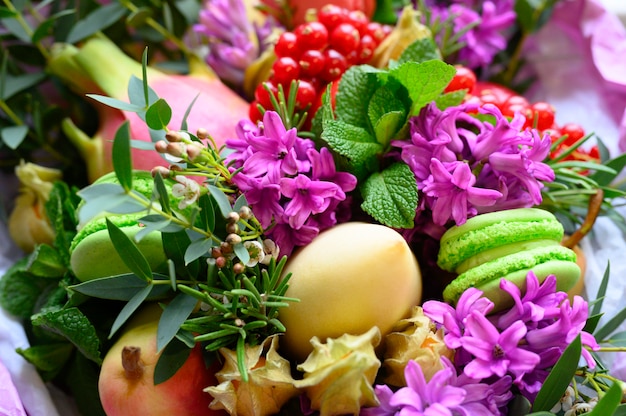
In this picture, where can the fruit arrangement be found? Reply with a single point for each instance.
(381, 229)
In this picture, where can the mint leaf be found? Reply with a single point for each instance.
(390, 196)
(49, 359)
(424, 81)
(73, 325)
(19, 290)
(450, 99)
(354, 143)
(387, 114)
(45, 261)
(420, 51)
(356, 87)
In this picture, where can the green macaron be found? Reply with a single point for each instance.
(93, 255)
(506, 245)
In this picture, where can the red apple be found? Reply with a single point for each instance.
(126, 384)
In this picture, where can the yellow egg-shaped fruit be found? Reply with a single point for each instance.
(348, 279)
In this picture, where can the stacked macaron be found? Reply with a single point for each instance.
(92, 252)
(506, 245)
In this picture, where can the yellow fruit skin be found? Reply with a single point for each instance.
(350, 278)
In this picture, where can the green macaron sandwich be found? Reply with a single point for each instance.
(93, 255)
(506, 245)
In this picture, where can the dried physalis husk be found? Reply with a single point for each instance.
(408, 29)
(417, 339)
(338, 375)
(269, 384)
(28, 222)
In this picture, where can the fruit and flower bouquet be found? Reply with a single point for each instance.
(303, 207)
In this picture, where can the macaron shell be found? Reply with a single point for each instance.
(488, 231)
(491, 272)
(96, 257)
(567, 275)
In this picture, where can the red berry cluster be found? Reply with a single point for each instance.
(317, 53)
(540, 115)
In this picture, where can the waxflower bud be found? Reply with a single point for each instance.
(173, 136)
(175, 149)
(232, 228)
(238, 268)
(161, 146)
(193, 152)
(233, 239)
(232, 217)
(245, 212)
(202, 133)
(165, 172)
(28, 223)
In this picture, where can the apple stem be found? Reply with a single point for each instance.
(131, 361)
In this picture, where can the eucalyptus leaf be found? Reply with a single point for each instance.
(16, 84)
(559, 378)
(604, 284)
(7, 13)
(122, 287)
(115, 103)
(161, 192)
(221, 199)
(137, 92)
(13, 136)
(170, 361)
(130, 254)
(130, 308)
(121, 155)
(198, 249)
(242, 253)
(101, 18)
(138, 17)
(98, 190)
(158, 115)
(97, 206)
(46, 26)
(174, 315)
(175, 246)
(13, 26)
(183, 123)
(608, 328)
(207, 213)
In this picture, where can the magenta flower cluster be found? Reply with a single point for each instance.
(493, 20)
(465, 166)
(495, 354)
(293, 189)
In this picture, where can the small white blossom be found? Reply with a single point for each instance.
(271, 250)
(580, 409)
(187, 189)
(255, 249)
(566, 401)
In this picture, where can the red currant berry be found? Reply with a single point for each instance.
(515, 104)
(542, 114)
(263, 96)
(285, 70)
(464, 79)
(287, 45)
(311, 63)
(345, 38)
(376, 31)
(574, 133)
(312, 35)
(594, 153)
(334, 66)
(366, 48)
(305, 95)
(332, 16)
(359, 20)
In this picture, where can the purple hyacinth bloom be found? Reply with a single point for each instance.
(307, 197)
(541, 301)
(455, 195)
(234, 42)
(496, 353)
(384, 394)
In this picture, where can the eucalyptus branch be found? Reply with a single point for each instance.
(24, 24)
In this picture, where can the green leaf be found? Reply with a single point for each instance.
(15, 27)
(386, 114)
(137, 91)
(130, 308)
(207, 213)
(559, 378)
(221, 199)
(7, 13)
(118, 104)
(19, 290)
(450, 99)
(420, 51)
(608, 328)
(45, 28)
(121, 155)
(388, 125)
(101, 18)
(46, 262)
(174, 315)
(128, 251)
(176, 246)
(156, 222)
(13, 136)
(518, 406)
(172, 358)
(604, 284)
(197, 249)
(49, 358)
(424, 81)
(138, 17)
(122, 287)
(16, 84)
(604, 178)
(158, 115)
(81, 377)
(73, 325)
(620, 411)
(242, 253)
(609, 402)
(355, 89)
(390, 196)
(162, 194)
(354, 143)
